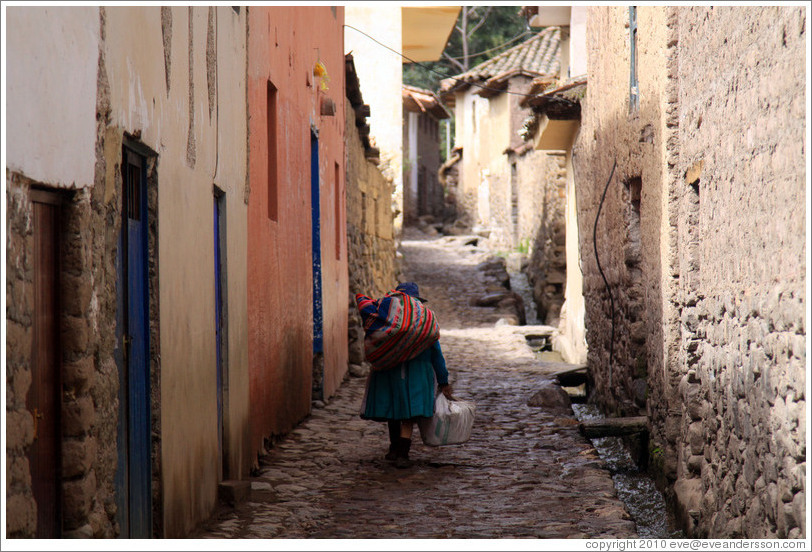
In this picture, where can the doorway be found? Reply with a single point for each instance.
(221, 325)
(44, 395)
(134, 473)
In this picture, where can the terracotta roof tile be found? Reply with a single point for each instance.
(538, 56)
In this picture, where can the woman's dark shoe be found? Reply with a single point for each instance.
(402, 453)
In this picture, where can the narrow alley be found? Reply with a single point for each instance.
(526, 471)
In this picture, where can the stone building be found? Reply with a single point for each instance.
(552, 128)
(127, 371)
(370, 219)
(692, 151)
(504, 185)
(423, 194)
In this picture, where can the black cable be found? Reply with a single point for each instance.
(606, 283)
(426, 67)
(514, 39)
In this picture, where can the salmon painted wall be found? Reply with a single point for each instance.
(284, 45)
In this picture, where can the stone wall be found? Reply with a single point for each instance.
(370, 234)
(742, 269)
(21, 509)
(542, 227)
(700, 237)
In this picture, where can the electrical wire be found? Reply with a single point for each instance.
(410, 60)
(515, 38)
(606, 283)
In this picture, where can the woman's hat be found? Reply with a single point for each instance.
(410, 288)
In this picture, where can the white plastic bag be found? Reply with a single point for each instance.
(451, 423)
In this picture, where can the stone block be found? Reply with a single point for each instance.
(18, 473)
(550, 396)
(798, 507)
(19, 429)
(696, 438)
(83, 532)
(75, 336)
(78, 376)
(77, 500)
(77, 456)
(17, 387)
(233, 491)
(79, 416)
(76, 300)
(21, 516)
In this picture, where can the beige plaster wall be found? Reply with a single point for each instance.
(197, 148)
(53, 145)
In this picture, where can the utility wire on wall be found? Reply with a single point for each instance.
(426, 67)
(606, 283)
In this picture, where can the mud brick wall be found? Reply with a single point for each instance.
(370, 232)
(743, 454)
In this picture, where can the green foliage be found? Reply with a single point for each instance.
(524, 246)
(502, 28)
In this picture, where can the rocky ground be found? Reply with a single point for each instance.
(526, 472)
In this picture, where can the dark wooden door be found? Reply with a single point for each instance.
(44, 400)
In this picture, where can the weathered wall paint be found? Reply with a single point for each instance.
(197, 149)
(284, 45)
(54, 146)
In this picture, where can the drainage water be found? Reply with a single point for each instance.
(520, 284)
(635, 488)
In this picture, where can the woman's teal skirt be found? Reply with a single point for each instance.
(401, 393)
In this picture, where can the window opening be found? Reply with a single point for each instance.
(271, 123)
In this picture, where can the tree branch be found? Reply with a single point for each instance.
(481, 21)
(455, 62)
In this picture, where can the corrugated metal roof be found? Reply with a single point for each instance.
(535, 57)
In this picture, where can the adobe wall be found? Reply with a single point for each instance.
(280, 269)
(172, 94)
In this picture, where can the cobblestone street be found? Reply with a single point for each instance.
(526, 472)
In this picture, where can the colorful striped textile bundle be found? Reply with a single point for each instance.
(397, 328)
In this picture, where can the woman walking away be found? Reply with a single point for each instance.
(405, 393)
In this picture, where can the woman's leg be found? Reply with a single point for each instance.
(406, 428)
(404, 444)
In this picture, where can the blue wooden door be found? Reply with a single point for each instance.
(134, 476)
(318, 334)
(219, 234)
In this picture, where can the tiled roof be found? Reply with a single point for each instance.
(418, 99)
(535, 57)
